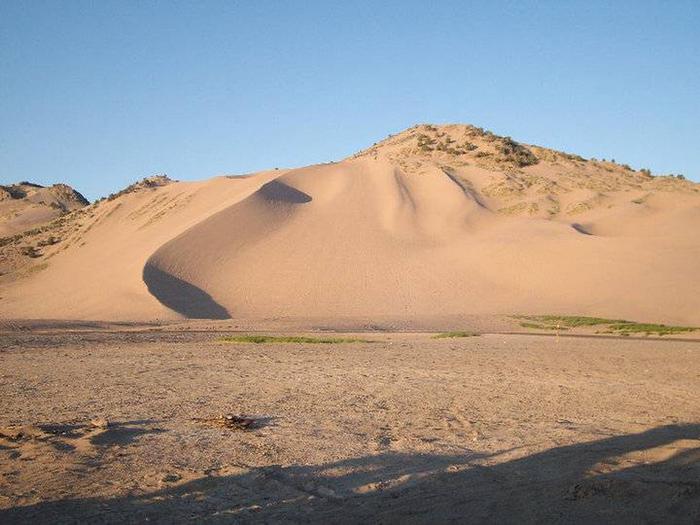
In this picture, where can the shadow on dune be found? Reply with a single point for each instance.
(581, 228)
(276, 190)
(585, 482)
(181, 296)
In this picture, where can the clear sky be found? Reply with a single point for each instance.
(99, 94)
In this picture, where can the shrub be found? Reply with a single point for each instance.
(49, 242)
(31, 251)
(512, 151)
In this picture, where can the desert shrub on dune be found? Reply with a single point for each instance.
(31, 251)
(516, 153)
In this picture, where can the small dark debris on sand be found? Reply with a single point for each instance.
(230, 421)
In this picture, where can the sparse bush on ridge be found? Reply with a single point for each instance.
(512, 151)
(31, 251)
(425, 143)
(147, 182)
(50, 241)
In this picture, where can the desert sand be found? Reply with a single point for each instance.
(112, 426)
(432, 223)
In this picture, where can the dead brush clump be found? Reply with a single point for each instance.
(228, 421)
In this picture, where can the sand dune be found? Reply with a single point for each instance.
(435, 221)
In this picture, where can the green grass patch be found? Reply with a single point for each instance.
(538, 326)
(610, 326)
(445, 335)
(650, 328)
(267, 339)
(571, 321)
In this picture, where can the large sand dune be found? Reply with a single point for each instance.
(433, 222)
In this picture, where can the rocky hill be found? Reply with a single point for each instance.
(26, 205)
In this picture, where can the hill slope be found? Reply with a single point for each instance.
(437, 221)
(26, 205)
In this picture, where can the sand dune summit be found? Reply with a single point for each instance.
(435, 221)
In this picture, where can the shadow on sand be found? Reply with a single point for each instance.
(586, 482)
(64, 436)
(181, 296)
(125, 433)
(278, 191)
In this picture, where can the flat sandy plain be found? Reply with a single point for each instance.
(494, 428)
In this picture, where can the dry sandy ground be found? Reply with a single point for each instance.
(505, 428)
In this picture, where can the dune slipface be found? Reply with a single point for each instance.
(435, 221)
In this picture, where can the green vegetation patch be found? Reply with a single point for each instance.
(610, 326)
(650, 328)
(267, 339)
(538, 326)
(445, 335)
(570, 321)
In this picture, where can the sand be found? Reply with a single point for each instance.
(98, 425)
(408, 229)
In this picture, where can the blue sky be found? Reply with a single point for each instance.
(99, 94)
